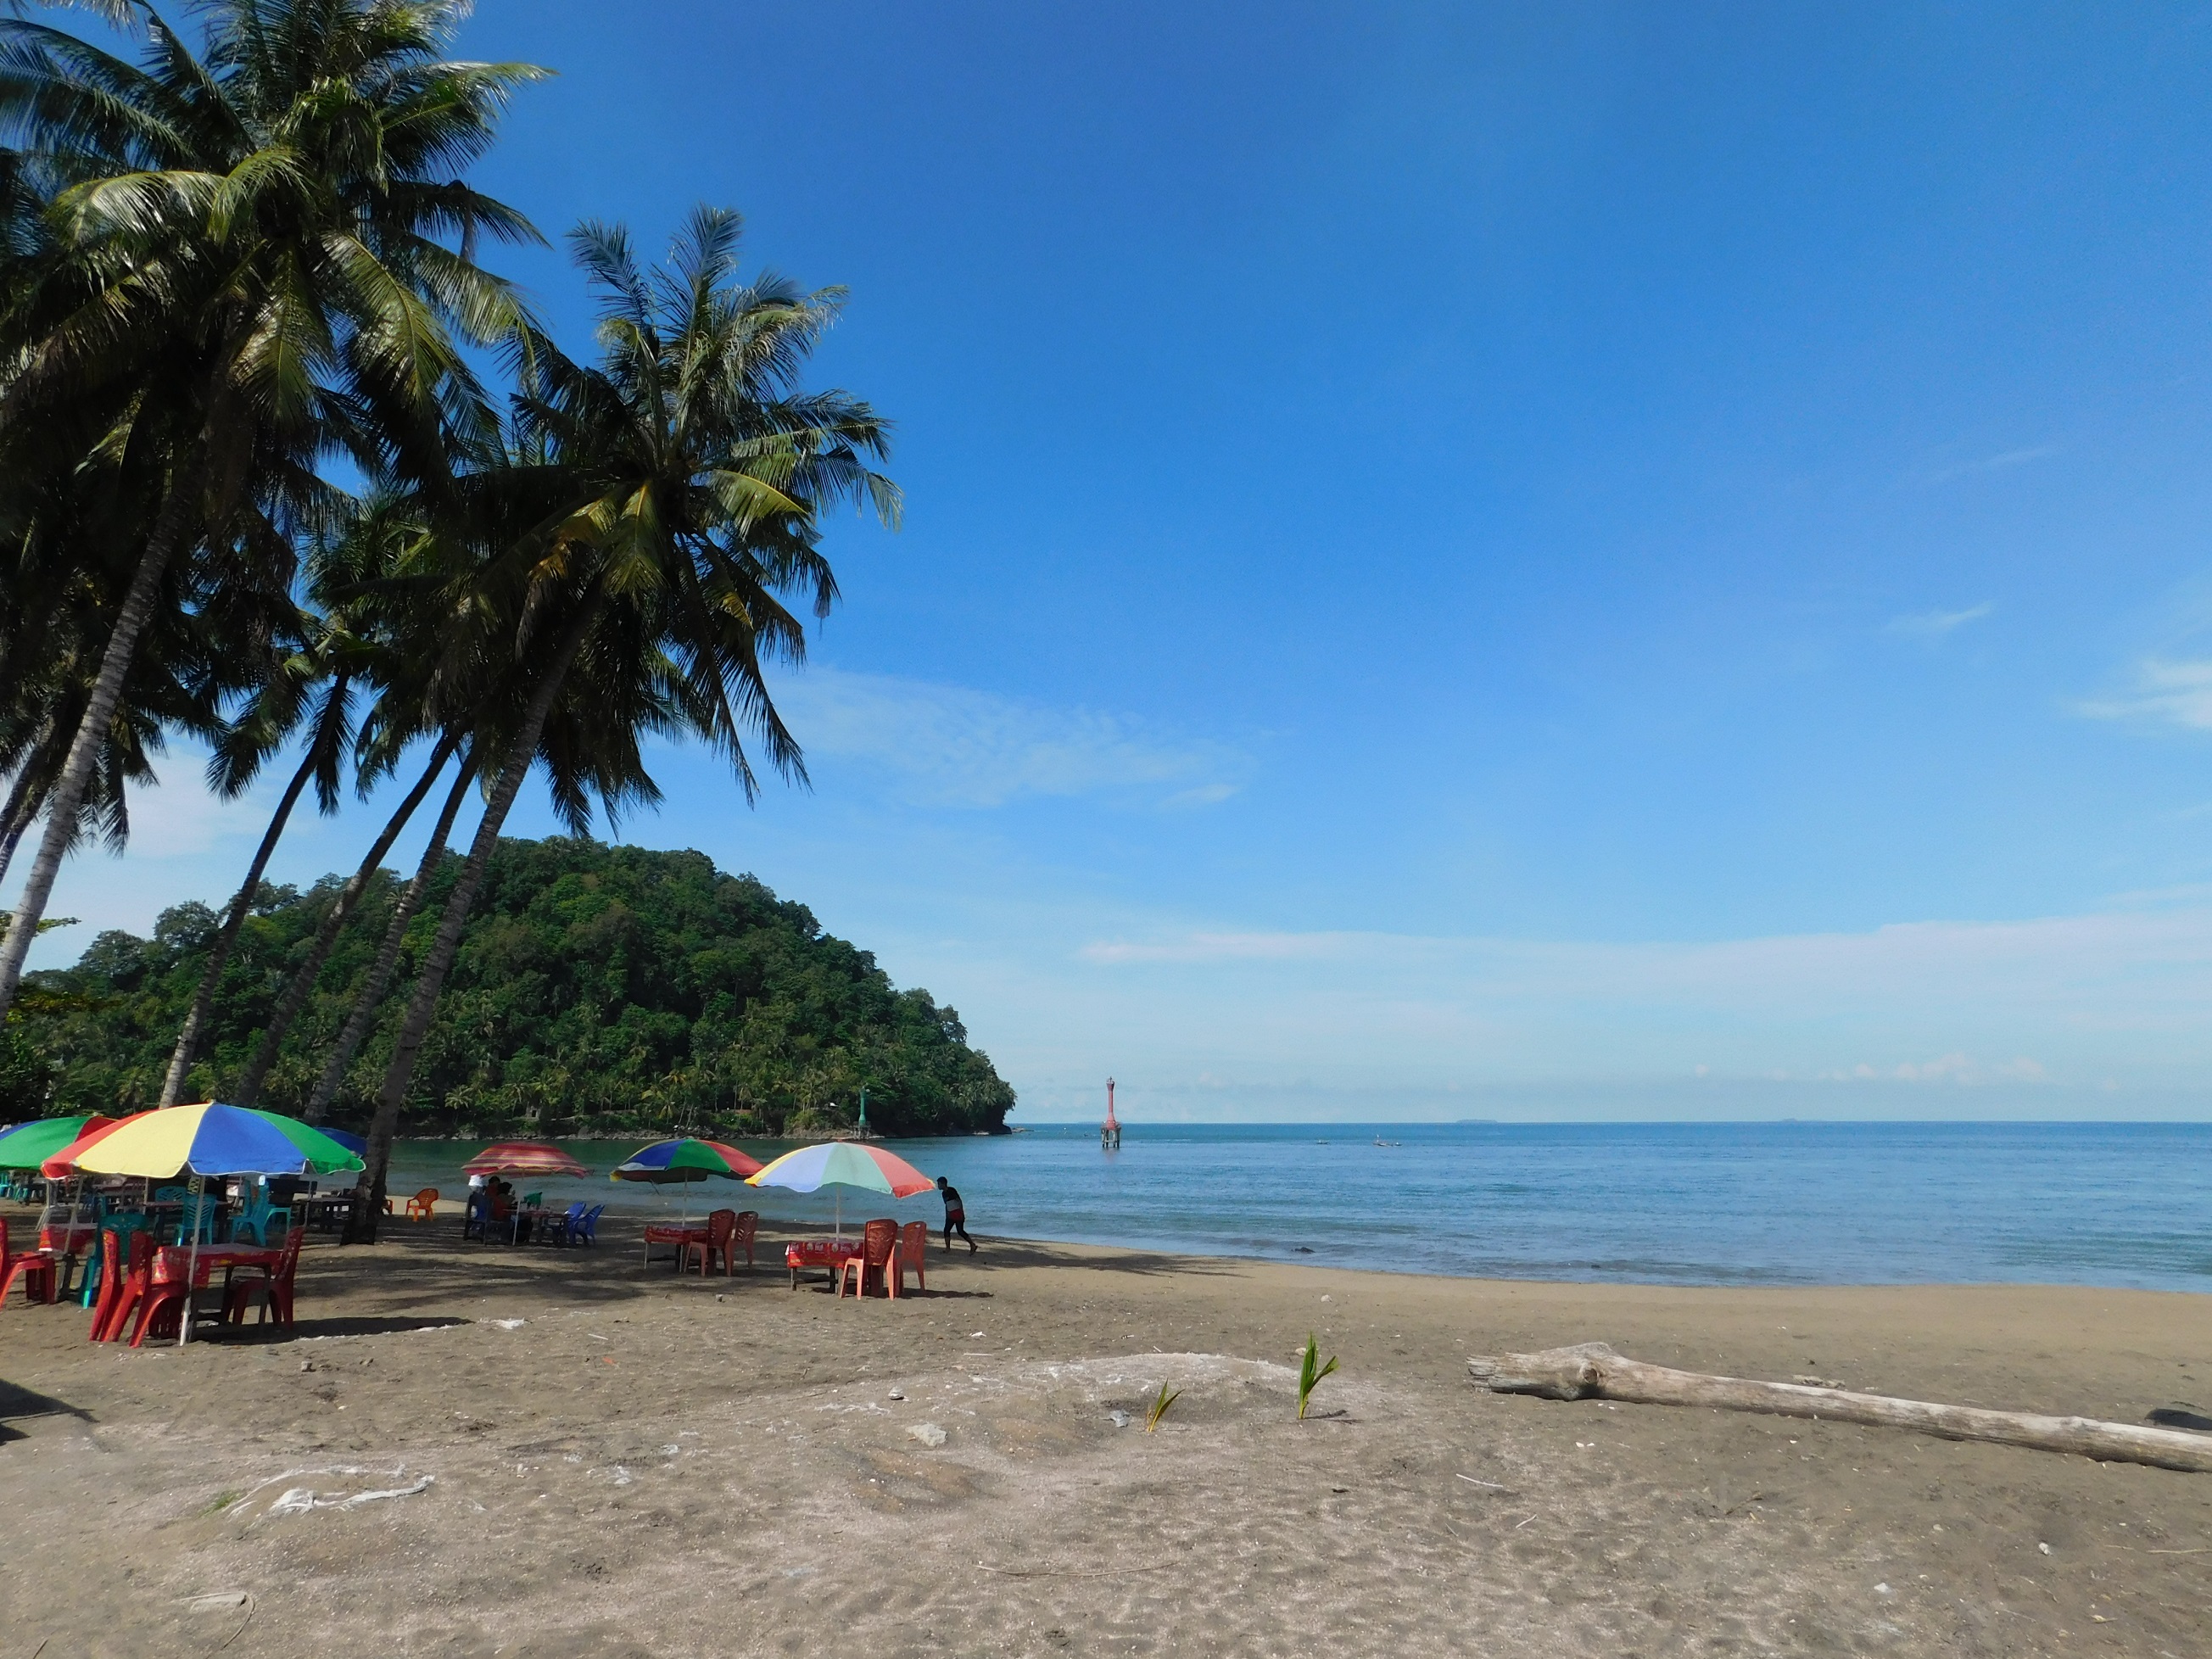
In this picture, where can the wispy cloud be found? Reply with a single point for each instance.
(1935, 624)
(2178, 692)
(1227, 947)
(953, 745)
(1958, 1069)
(2004, 461)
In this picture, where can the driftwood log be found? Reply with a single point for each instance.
(1593, 1371)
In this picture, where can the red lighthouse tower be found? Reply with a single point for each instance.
(1109, 1132)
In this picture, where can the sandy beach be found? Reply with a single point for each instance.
(589, 1455)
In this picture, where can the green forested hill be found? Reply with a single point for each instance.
(598, 988)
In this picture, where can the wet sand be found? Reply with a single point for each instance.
(595, 1457)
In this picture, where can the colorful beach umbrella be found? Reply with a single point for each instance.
(839, 1165)
(349, 1140)
(28, 1145)
(528, 1157)
(684, 1160)
(209, 1139)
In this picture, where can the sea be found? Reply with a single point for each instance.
(2109, 1204)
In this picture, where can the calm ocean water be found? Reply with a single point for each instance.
(1688, 1204)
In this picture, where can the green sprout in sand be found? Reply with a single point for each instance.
(1167, 1398)
(1310, 1371)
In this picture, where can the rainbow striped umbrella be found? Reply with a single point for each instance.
(842, 1163)
(207, 1139)
(28, 1145)
(684, 1160)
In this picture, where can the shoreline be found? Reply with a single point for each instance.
(622, 1461)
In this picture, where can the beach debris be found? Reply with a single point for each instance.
(1819, 1382)
(895, 1394)
(298, 1500)
(1487, 1486)
(1310, 1372)
(1120, 1419)
(1165, 1398)
(217, 1601)
(929, 1434)
(508, 1324)
(1592, 1370)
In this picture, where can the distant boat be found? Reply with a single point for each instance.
(1379, 1141)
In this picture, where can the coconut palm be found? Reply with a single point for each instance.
(238, 264)
(683, 477)
(289, 700)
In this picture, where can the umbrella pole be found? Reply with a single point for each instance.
(192, 1262)
(840, 1212)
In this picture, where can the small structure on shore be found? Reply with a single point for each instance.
(860, 1131)
(1109, 1132)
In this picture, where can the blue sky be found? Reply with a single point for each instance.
(1464, 562)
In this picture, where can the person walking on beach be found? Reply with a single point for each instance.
(955, 1214)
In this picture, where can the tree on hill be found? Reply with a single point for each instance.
(597, 990)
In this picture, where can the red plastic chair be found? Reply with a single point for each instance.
(130, 1285)
(913, 1252)
(110, 1279)
(878, 1244)
(748, 1230)
(161, 1306)
(36, 1271)
(273, 1286)
(721, 1227)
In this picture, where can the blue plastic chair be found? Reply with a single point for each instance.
(584, 1229)
(124, 1222)
(255, 1215)
(562, 1228)
(475, 1220)
(201, 1221)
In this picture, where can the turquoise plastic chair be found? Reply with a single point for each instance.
(124, 1222)
(201, 1221)
(257, 1213)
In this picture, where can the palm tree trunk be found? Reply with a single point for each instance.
(369, 1200)
(16, 817)
(68, 792)
(387, 956)
(326, 937)
(188, 1038)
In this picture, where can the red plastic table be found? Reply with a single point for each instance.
(829, 1252)
(679, 1234)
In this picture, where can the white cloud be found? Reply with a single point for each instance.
(1935, 624)
(951, 745)
(2180, 692)
(2005, 461)
(2051, 1004)
(1229, 947)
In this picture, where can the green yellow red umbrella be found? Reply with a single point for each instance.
(28, 1145)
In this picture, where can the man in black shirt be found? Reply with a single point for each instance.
(955, 1214)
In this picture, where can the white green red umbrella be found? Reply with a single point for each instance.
(839, 1165)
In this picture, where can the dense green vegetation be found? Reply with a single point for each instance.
(597, 989)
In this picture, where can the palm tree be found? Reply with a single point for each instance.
(266, 724)
(370, 997)
(239, 267)
(686, 473)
